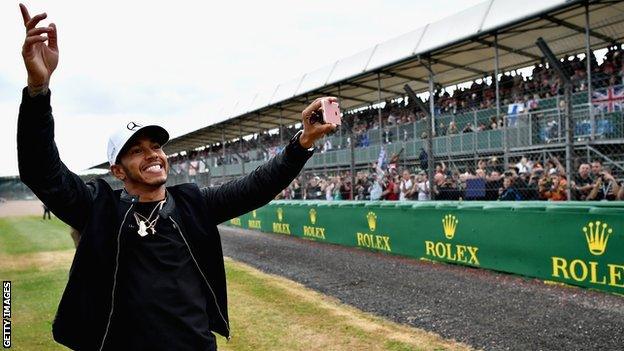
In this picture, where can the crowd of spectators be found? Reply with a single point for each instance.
(525, 91)
(489, 180)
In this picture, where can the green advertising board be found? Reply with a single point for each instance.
(573, 243)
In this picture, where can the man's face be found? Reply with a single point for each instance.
(507, 182)
(143, 163)
(439, 178)
(406, 175)
(596, 168)
(584, 170)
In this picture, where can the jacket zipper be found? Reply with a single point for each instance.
(175, 225)
(110, 315)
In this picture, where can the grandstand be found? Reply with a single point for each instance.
(488, 87)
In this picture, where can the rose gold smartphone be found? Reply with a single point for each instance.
(331, 112)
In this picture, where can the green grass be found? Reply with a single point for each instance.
(266, 312)
(35, 295)
(20, 235)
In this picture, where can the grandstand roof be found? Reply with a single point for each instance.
(457, 49)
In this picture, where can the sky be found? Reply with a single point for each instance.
(179, 64)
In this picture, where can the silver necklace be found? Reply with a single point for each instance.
(148, 223)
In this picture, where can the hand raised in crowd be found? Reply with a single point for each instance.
(313, 132)
(40, 59)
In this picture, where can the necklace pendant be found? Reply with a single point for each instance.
(142, 229)
(153, 229)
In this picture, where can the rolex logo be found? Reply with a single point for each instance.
(312, 216)
(280, 214)
(449, 223)
(253, 213)
(597, 235)
(372, 221)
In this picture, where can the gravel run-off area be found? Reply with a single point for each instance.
(484, 309)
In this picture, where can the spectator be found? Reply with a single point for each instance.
(406, 186)
(389, 192)
(468, 128)
(604, 188)
(296, 190)
(452, 128)
(553, 187)
(508, 192)
(445, 188)
(424, 159)
(596, 169)
(582, 184)
(493, 184)
(376, 188)
(345, 188)
(532, 191)
(327, 186)
(422, 186)
(313, 189)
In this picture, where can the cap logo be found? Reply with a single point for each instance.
(133, 126)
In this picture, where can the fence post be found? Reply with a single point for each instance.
(505, 143)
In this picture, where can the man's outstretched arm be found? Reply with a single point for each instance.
(265, 182)
(39, 164)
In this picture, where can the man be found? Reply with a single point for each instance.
(345, 188)
(583, 183)
(406, 186)
(389, 192)
(492, 185)
(46, 212)
(376, 186)
(313, 189)
(596, 169)
(509, 192)
(605, 187)
(422, 186)
(553, 187)
(148, 271)
(444, 188)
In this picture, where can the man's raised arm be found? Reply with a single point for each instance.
(265, 182)
(39, 164)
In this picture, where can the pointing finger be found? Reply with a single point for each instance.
(35, 20)
(25, 15)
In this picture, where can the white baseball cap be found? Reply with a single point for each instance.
(119, 140)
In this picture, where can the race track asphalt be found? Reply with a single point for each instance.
(487, 310)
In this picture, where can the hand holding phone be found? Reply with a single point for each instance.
(329, 113)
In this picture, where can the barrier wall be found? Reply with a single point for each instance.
(573, 242)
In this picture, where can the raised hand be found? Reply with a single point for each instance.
(40, 59)
(314, 131)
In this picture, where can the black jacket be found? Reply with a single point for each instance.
(84, 313)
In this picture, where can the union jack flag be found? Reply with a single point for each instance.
(609, 99)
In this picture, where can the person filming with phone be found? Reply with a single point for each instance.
(148, 271)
